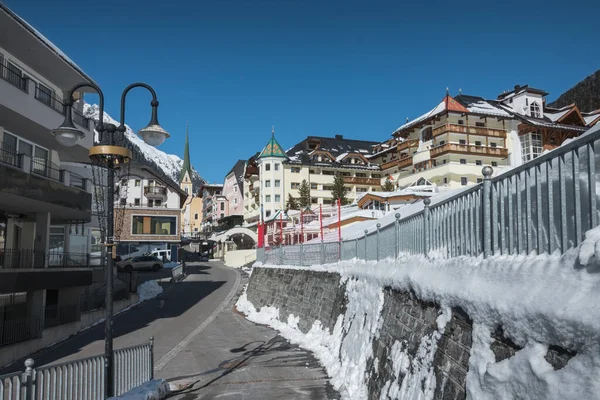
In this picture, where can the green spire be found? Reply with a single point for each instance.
(186, 157)
(273, 149)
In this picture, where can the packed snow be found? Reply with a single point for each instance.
(537, 300)
(149, 290)
(155, 389)
(171, 264)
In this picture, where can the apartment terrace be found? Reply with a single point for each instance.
(469, 130)
(468, 149)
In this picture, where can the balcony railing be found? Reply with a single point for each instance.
(14, 78)
(26, 259)
(405, 162)
(407, 144)
(77, 181)
(8, 155)
(155, 191)
(80, 120)
(468, 129)
(354, 180)
(43, 167)
(51, 100)
(468, 149)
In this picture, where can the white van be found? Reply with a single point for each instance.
(163, 255)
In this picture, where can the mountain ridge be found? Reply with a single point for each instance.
(586, 94)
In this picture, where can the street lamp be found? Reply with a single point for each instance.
(107, 154)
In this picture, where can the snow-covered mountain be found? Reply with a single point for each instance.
(169, 164)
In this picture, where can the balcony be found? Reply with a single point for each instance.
(354, 180)
(155, 192)
(469, 149)
(405, 162)
(408, 144)
(470, 130)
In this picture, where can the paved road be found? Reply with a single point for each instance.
(202, 342)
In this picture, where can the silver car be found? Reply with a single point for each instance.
(141, 262)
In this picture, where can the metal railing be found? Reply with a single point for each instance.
(543, 206)
(17, 330)
(14, 78)
(80, 119)
(55, 315)
(80, 379)
(50, 99)
(43, 167)
(9, 155)
(77, 181)
(25, 258)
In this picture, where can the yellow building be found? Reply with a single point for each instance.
(191, 212)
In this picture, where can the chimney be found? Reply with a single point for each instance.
(339, 137)
(517, 87)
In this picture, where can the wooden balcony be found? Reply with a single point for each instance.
(471, 130)
(389, 164)
(352, 180)
(469, 149)
(405, 162)
(408, 144)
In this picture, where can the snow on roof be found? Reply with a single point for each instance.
(590, 118)
(436, 110)
(341, 157)
(484, 107)
(555, 116)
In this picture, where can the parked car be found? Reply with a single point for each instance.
(141, 262)
(164, 255)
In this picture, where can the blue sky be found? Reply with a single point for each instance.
(356, 68)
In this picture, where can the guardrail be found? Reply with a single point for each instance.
(542, 206)
(80, 379)
(26, 258)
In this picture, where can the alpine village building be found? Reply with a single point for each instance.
(191, 212)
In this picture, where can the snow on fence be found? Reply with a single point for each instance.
(80, 379)
(544, 206)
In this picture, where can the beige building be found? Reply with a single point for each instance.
(191, 212)
(274, 175)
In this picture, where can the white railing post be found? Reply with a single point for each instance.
(397, 235)
(366, 231)
(487, 172)
(426, 226)
(378, 226)
(301, 254)
(29, 389)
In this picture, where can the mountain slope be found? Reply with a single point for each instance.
(169, 164)
(586, 94)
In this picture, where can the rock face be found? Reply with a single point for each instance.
(405, 324)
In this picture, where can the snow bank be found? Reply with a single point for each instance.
(537, 300)
(149, 290)
(155, 389)
(171, 265)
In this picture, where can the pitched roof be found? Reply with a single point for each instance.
(272, 149)
(520, 89)
(238, 170)
(338, 147)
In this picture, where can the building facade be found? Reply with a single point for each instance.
(147, 211)
(44, 204)
(212, 202)
(233, 189)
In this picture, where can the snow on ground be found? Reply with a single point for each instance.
(149, 290)
(171, 264)
(538, 300)
(155, 389)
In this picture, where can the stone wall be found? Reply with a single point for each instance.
(314, 295)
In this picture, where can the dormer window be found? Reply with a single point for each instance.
(535, 110)
(426, 134)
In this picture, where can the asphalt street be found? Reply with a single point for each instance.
(204, 345)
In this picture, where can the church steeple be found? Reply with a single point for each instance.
(186, 157)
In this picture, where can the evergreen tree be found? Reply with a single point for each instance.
(292, 204)
(339, 190)
(304, 200)
(388, 186)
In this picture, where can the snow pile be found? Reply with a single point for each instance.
(149, 290)
(155, 389)
(171, 265)
(537, 300)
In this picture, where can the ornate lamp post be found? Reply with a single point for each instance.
(105, 153)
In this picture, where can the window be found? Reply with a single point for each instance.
(445, 180)
(463, 160)
(222, 206)
(314, 200)
(14, 75)
(375, 175)
(277, 198)
(157, 203)
(276, 166)
(196, 216)
(295, 185)
(313, 186)
(222, 215)
(150, 203)
(44, 94)
(267, 167)
(235, 189)
(153, 225)
(123, 202)
(478, 143)
(136, 202)
(493, 144)
(535, 111)
(480, 124)
(327, 187)
(151, 182)
(137, 182)
(477, 162)
(444, 161)
(494, 163)
(325, 172)
(235, 200)
(479, 180)
(361, 175)
(186, 189)
(268, 198)
(361, 190)
(277, 182)
(426, 134)
(312, 171)
(461, 121)
(442, 142)
(295, 170)
(268, 213)
(531, 146)
(268, 183)
(464, 181)
(462, 141)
